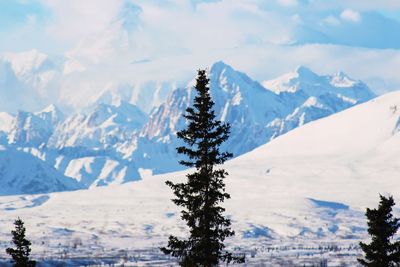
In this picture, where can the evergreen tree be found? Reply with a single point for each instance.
(21, 253)
(382, 226)
(204, 190)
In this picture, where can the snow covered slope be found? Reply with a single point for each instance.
(308, 187)
(100, 171)
(22, 173)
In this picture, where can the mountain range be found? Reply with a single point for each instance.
(114, 141)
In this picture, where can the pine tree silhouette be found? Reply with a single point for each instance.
(204, 190)
(382, 226)
(20, 254)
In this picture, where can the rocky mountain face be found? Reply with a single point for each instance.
(113, 141)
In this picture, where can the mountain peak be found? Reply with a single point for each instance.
(305, 80)
(219, 66)
(341, 74)
(303, 71)
(341, 79)
(50, 109)
(219, 63)
(50, 113)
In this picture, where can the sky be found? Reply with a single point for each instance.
(98, 42)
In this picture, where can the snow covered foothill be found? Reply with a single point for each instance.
(101, 171)
(22, 173)
(308, 187)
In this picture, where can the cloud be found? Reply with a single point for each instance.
(96, 31)
(350, 15)
(71, 66)
(135, 40)
(74, 20)
(288, 3)
(179, 36)
(331, 20)
(360, 5)
(14, 14)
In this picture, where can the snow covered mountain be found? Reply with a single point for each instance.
(27, 80)
(304, 190)
(114, 141)
(102, 127)
(257, 114)
(89, 147)
(34, 129)
(22, 173)
(146, 95)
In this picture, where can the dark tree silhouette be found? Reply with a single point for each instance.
(20, 253)
(204, 190)
(382, 227)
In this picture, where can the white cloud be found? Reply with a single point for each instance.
(297, 19)
(331, 20)
(72, 65)
(361, 5)
(260, 62)
(100, 42)
(288, 3)
(31, 20)
(74, 20)
(350, 15)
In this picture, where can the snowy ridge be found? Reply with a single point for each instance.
(313, 84)
(103, 126)
(34, 129)
(146, 96)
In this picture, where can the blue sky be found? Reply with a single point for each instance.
(14, 14)
(270, 21)
(130, 40)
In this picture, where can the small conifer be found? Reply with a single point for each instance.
(382, 227)
(20, 254)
